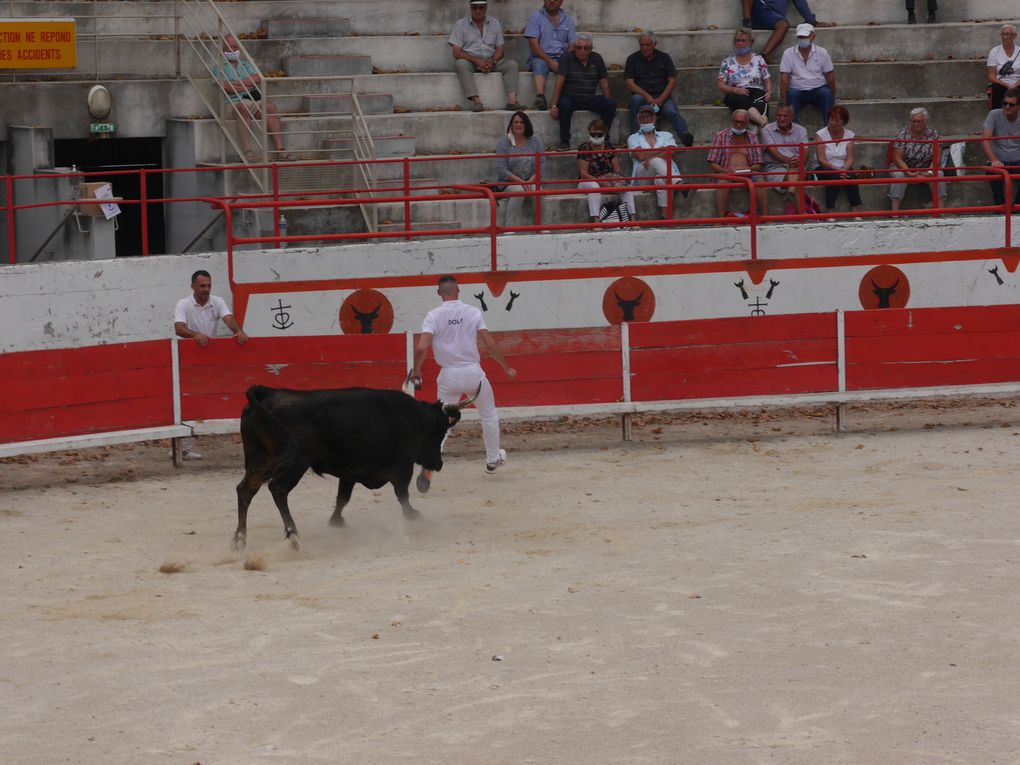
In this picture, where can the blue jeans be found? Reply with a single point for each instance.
(667, 110)
(821, 97)
(602, 106)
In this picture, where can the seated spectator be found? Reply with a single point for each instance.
(1005, 153)
(744, 78)
(933, 5)
(550, 33)
(735, 150)
(649, 163)
(477, 42)
(782, 162)
(806, 75)
(913, 160)
(835, 154)
(650, 76)
(518, 170)
(599, 168)
(582, 82)
(240, 83)
(771, 14)
(1003, 65)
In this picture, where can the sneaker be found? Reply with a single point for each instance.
(931, 17)
(564, 147)
(492, 467)
(477, 107)
(192, 456)
(512, 107)
(911, 18)
(424, 481)
(746, 22)
(540, 104)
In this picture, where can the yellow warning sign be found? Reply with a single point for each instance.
(38, 44)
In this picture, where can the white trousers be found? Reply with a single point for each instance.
(455, 382)
(595, 200)
(655, 166)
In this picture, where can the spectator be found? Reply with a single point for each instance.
(650, 76)
(1005, 153)
(735, 150)
(599, 168)
(744, 78)
(581, 75)
(477, 42)
(933, 5)
(550, 33)
(649, 163)
(782, 162)
(517, 171)
(1003, 65)
(806, 75)
(240, 83)
(771, 14)
(196, 317)
(913, 160)
(835, 152)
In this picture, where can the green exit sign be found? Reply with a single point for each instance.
(102, 127)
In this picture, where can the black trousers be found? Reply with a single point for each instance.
(933, 5)
(853, 191)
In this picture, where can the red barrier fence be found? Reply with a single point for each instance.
(55, 396)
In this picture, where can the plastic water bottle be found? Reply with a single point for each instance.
(283, 229)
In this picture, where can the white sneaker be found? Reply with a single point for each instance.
(192, 456)
(492, 467)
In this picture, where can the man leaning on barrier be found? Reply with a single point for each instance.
(736, 151)
(1004, 123)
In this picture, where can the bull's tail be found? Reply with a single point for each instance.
(263, 424)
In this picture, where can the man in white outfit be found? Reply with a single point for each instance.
(453, 331)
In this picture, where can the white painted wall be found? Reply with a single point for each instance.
(60, 305)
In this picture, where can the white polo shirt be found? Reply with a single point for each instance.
(201, 318)
(806, 75)
(454, 328)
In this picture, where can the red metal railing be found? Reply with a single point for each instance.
(412, 193)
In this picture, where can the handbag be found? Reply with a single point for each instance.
(1007, 69)
(495, 186)
(614, 212)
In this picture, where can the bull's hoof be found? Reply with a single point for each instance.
(337, 520)
(411, 514)
(238, 543)
(295, 543)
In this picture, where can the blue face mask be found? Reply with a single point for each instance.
(742, 51)
(648, 127)
(803, 43)
(738, 131)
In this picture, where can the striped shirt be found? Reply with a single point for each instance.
(723, 148)
(581, 84)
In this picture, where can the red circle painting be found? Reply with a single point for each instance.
(628, 299)
(884, 287)
(366, 312)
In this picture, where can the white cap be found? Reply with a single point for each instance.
(805, 30)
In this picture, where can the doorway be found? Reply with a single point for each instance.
(119, 154)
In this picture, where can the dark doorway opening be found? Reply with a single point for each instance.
(117, 154)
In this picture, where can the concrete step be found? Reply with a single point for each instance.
(436, 225)
(464, 132)
(395, 53)
(307, 27)
(343, 103)
(327, 66)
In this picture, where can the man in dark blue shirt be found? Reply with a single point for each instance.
(771, 14)
(582, 82)
(650, 76)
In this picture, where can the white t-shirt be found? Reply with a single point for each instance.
(201, 318)
(997, 57)
(454, 328)
(835, 153)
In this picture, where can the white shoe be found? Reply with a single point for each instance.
(492, 467)
(192, 456)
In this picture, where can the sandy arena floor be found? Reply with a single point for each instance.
(741, 588)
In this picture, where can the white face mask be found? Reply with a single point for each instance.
(738, 131)
(232, 55)
(597, 141)
(647, 127)
(803, 44)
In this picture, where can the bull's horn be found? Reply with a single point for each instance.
(461, 404)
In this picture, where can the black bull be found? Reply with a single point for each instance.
(359, 435)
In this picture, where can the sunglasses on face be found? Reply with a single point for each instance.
(1009, 104)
